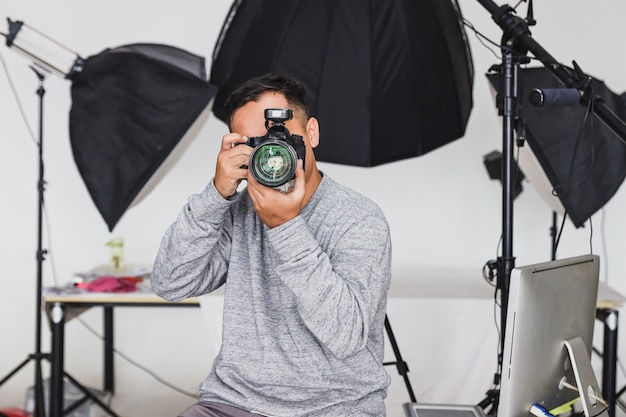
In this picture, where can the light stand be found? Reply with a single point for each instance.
(516, 42)
(41, 256)
(164, 86)
(506, 262)
(37, 356)
(41, 67)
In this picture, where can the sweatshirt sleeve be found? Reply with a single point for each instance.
(339, 291)
(202, 232)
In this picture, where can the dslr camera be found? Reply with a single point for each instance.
(274, 160)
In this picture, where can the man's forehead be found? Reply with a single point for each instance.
(272, 96)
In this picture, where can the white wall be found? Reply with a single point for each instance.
(443, 210)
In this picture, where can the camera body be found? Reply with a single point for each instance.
(274, 160)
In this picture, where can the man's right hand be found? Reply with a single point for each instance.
(230, 160)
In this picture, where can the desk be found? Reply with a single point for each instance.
(62, 307)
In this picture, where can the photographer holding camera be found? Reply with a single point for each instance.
(305, 263)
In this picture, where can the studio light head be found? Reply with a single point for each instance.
(274, 160)
(43, 51)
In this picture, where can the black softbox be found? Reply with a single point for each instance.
(130, 107)
(583, 159)
(388, 79)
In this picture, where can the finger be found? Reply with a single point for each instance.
(255, 189)
(299, 175)
(234, 158)
(253, 183)
(232, 139)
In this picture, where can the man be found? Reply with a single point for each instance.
(306, 274)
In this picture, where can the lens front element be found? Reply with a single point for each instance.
(273, 163)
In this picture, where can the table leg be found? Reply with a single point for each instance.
(57, 318)
(109, 382)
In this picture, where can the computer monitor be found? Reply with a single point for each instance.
(548, 338)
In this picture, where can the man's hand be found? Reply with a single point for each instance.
(273, 207)
(229, 172)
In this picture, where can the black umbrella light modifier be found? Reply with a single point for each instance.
(388, 80)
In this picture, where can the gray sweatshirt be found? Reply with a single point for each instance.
(304, 302)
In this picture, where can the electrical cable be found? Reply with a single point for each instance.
(138, 365)
(484, 40)
(590, 235)
(558, 236)
(568, 187)
(575, 389)
(31, 133)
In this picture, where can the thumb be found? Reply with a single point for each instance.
(299, 175)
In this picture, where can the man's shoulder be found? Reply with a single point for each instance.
(344, 196)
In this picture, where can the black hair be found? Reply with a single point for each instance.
(293, 90)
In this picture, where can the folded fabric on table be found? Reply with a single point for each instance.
(111, 284)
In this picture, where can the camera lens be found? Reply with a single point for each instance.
(273, 163)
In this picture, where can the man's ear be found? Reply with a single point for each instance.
(313, 131)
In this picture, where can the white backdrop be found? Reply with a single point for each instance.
(444, 211)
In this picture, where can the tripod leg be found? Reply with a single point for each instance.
(38, 397)
(14, 371)
(90, 395)
(490, 403)
(38, 388)
(401, 365)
